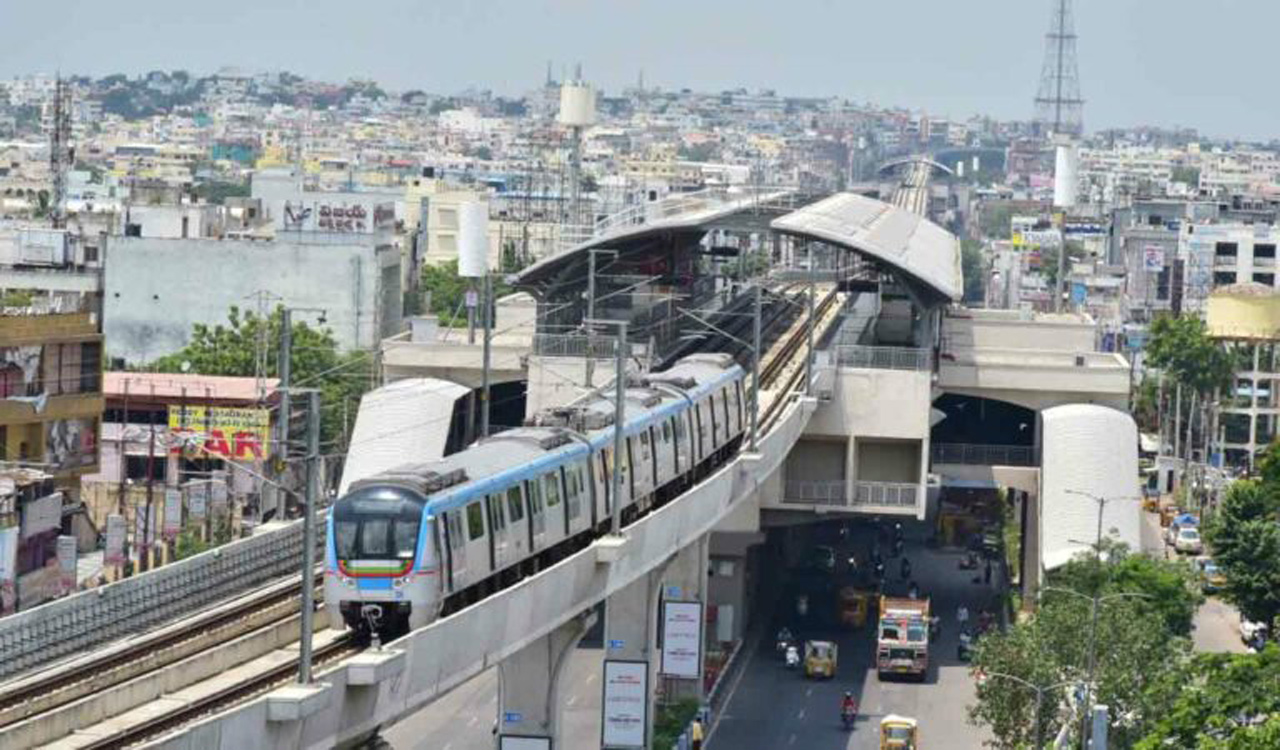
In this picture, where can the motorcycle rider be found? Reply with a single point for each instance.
(848, 706)
(793, 656)
(784, 638)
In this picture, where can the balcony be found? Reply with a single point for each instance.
(970, 454)
(865, 496)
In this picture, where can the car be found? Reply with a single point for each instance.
(1212, 578)
(1188, 541)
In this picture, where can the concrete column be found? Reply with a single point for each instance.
(685, 579)
(529, 682)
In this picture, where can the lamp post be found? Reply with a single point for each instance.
(1040, 691)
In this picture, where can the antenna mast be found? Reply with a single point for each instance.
(1059, 108)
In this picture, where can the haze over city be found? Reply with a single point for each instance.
(1141, 63)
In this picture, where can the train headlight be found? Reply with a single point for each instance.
(349, 582)
(398, 583)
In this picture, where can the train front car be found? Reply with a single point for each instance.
(381, 569)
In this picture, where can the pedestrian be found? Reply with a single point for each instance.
(962, 616)
(695, 733)
(986, 574)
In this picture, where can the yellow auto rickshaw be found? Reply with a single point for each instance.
(898, 733)
(853, 607)
(820, 659)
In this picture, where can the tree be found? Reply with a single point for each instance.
(996, 222)
(1186, 175)
(448, 291)
(1246, 543)
(1182, 348)
(1139, 641)
(315, 363)
(1226, 701)
(974, 268)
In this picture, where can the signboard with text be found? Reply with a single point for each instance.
(67, 559)
(115, 540)
(1153, 258)
(625, 708)
(681, 639)
(229, 432)
(172, 513)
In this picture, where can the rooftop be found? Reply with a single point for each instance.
(174, 385)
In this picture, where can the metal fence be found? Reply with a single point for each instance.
(99, 616)
(884, 357)
(835, 493)
(984, 455)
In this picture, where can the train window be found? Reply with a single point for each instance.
(514, 507)
(724, 402)
(552, 484)
(475, 521)
(496, 520)
(666, 431)
(406, 534)
(344, 533)
(573, 484)
(534, 491)
(373, 537)
(644, 446)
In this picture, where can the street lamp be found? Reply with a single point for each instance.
(1040, 691)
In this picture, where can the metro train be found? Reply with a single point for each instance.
(419, 541)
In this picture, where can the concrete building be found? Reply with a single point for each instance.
(1224, 254)
(1246, 319)
(157, 289)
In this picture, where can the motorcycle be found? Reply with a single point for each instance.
(847, 717)
(793, 657)
(964, 651)
(935, 627)
(969, 561)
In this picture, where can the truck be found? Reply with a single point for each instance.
(902, 638)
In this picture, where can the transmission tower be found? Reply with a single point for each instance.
(61, 155)
(1059, 108)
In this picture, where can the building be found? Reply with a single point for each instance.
(158, 289)
(1246, 319)
(31, 513)
(51, 390)
(165, 431)
(1225, 254)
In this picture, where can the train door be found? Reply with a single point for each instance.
(477, 544)
(457, 549)
(575, 491)
(552, 494)
(521, 536)
(537, 513)
(606, 486)
(499, 543)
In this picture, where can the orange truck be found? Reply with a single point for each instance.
(902, 639)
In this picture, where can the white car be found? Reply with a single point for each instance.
(1188, 540)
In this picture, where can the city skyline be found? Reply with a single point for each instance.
(968, 64)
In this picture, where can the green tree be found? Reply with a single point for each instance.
(1246, 543)
(1226, 702)
(189, 544)
(1182, 348)
(974, 268)
(448, 291)
(231, 349)
(1169, 590)
(996, 222)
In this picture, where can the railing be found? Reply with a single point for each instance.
(579, 344)
(884, 357)
(984, 455)
(834, 493)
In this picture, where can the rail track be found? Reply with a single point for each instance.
(781, 373)
(340, 648)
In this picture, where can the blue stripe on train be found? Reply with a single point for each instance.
(374, 584)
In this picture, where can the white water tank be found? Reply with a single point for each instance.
(473, 239)
(1064, 176)
(577, 104)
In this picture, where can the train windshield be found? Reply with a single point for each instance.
(377, 523)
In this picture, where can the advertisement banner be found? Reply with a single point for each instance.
(172, 513)
(1153, 259)
(41, 515)
(67, 562)
(681, 639)
(226, 431)
(624, 712)
(115, 540)
(8, 569)
(197, 500)
(71, 443)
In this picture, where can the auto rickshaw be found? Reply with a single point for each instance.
(898, 733)
(853, 607)
(820, 659)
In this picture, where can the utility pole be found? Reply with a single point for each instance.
(755, 372)
(144, 550)
(282, 421)
(813, 288)
(619, 420)
(591, 315)
(487, 312)
(309, 534)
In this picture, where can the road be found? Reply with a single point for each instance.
(463, 719)
(775, 709)
(1216, 627)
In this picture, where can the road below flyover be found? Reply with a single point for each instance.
(773, 708)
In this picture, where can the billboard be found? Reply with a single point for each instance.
(681, 639)
(624, 711)
(115, 540)
(337, 215)
(227, 431)
(198, 500)
(41, 515)
(70, 443)
(172, 513)
(1153, 259)
(67, 559)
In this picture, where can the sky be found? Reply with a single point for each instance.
(1154, 62)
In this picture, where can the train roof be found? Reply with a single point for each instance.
(558, 434)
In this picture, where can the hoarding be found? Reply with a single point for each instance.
(229, 432)
(8, 569)
(41, 515)
(197, 500)
(115, 540)
(624, 710)
(71, 443)
(67, 562)
(681, 639)
(1153, 258)
(172, 513)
